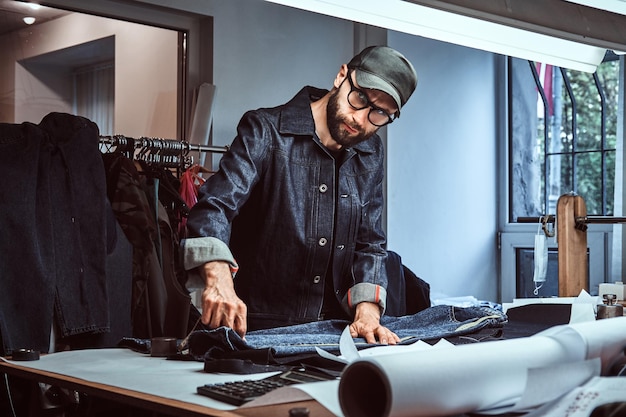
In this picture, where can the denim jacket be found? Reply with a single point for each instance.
(284, 216)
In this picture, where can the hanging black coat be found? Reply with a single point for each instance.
(52, 232)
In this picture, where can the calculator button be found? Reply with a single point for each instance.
(240, 392)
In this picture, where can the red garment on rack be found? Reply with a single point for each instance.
(190, 181)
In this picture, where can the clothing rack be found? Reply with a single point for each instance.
(168, 153)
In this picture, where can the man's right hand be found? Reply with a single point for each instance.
(220, 304)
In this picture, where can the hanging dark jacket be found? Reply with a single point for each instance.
(52, 231)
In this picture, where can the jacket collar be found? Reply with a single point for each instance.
(296, 117)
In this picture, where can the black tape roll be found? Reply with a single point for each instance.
(163, 346)
(25, 355)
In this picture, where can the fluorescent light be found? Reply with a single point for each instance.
(29, 20)
(406, 17)
(34, 6)
(615, 6)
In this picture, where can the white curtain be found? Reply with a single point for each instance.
(94, 94)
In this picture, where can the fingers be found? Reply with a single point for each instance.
(381, 335)
(220, 304)
(353, 330)
(373, 335)
(217, 313)
(240, 324)
(357, 330)
(370, 337)
(386, 336)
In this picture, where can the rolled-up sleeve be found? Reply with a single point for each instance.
(365, 292)
(200, 250)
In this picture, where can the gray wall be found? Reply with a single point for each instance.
(441, 169)
(264, 54)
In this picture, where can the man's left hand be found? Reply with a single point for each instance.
(366, 324)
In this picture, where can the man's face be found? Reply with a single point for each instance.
(348, 126)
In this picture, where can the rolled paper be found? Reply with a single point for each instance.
(471, 377)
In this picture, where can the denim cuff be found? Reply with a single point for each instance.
(197, 251)
(365, 291)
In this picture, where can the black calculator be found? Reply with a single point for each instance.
(240, 392)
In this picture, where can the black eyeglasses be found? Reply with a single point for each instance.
(359, 100)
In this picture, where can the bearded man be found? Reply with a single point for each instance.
(289, 229)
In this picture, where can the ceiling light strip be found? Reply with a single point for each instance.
(462, 30)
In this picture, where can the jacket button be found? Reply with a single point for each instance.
(316, 279)
(323, 188)
(322, 242)
(340, 247)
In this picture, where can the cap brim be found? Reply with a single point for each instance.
(374, 82)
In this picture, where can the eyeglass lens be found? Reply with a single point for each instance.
(359, 100)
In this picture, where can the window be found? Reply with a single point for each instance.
(563, 136)
(126, 77)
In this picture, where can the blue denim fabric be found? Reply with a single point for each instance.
(435, 322)
(277, 186)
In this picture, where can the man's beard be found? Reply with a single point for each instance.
(335, 125)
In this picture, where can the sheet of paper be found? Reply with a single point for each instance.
(581, 401)
(548, 383)
(324, 392)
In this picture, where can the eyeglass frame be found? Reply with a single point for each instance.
(368, 103)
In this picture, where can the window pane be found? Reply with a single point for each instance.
(610, 183)
(587, 110)
(563, 121)
(527, 151)
(608, 73)
(589, 179)
(559, 169)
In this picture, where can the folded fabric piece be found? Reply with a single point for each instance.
(432, 323)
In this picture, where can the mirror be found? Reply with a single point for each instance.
(124, 76)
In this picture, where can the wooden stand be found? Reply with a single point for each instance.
(572, 244)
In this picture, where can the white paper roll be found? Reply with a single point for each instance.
(470, 377)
